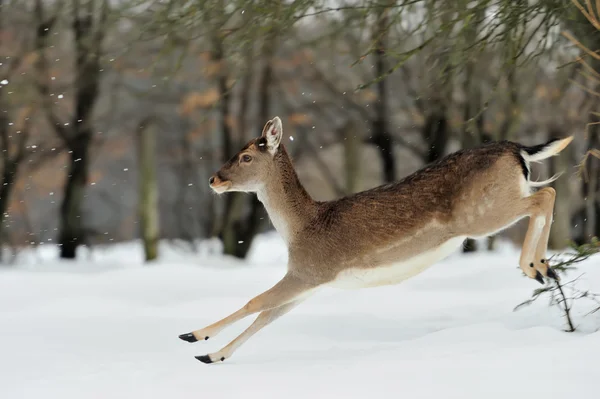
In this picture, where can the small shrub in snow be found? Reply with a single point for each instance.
(556, 290)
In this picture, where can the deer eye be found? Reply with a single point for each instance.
(246, 158)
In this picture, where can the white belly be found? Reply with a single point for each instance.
(397, 272)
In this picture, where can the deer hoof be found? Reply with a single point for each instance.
(204, 359)
(189, 337)
(539, 277)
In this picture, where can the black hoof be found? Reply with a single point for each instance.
(552, 274)
(189, 337)
(539, 277)
(204, 359)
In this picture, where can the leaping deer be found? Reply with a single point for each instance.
(389, 233)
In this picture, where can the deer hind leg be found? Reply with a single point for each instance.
(534, 248)
(547, 207)
(537, 207)
(264, 318)
(288, 289)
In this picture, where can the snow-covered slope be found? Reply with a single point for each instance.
(107, 328)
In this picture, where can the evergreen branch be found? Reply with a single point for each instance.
(566, 262)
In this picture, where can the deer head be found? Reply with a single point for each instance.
(249, 169)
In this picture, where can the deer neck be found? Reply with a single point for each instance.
(289, 206)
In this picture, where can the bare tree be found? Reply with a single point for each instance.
(240, 232)
(148, 192)
(381, 133)
(16, 114)
(89, 25)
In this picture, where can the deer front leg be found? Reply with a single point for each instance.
(288, 289)
(264, 318)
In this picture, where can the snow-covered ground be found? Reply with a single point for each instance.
(107, 327)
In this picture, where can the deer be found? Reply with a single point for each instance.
(387, 234)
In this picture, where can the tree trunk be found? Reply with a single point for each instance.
(238, 233)
(231, 233)
(491, 243)
(232, 200)
(381, 136)
(9, 174)
(436, 133)
(251, 226)
(473, 123)
(587, 34)
(71, 233)
(88, 33)
(436, 130)
(560, 233)
(9, 169)
(590, 187)
(591, 175)
(385, 145)
(8, 178)
(148, 194)
(11, 156)
(351, 157)
(242, 231)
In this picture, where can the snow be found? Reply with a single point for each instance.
(107, 326)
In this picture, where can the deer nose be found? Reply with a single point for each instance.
(211, 180)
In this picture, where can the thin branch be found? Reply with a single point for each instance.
(345, 8)
(581, 46)
(318, 75)
(566, 308)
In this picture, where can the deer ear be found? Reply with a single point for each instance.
(273, 132)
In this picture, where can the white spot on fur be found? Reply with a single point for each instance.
(395, 273)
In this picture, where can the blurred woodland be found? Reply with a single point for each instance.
(114, 113)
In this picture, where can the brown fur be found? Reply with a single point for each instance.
(470, 193)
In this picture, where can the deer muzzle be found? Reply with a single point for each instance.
(218, 184)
